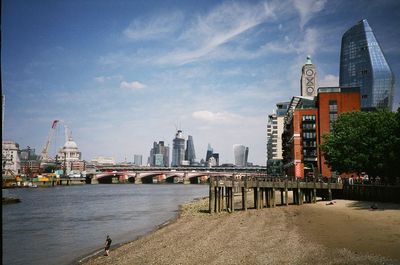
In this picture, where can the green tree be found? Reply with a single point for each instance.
(50, 169)
(364, 142)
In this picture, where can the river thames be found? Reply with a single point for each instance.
(63, 224)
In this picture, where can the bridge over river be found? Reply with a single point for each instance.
(193, 175)
(160, 176)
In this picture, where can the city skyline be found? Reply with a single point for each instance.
(123, 73)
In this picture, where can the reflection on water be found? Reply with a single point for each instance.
(58, 225)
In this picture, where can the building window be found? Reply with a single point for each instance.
(332, 113)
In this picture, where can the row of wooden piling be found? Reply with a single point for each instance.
(221, 193)
(382, 193)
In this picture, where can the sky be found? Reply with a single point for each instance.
(122, 74)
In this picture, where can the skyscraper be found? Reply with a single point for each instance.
(308, 80)
(190, 154)
(241, 154)
(209, 152)
(137, 160)
(363, 64)
(216, 157)
(159, 155)
(178, 149)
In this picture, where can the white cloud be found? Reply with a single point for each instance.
(215, 117)
(310, 42)
(223, 24)
(155, 27)
(328, 80)
(102, 79)
(307, 8)
(135, 85)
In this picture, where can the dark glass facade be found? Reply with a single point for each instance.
(190, 154)
(363, 64)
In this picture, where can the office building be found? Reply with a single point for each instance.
(137, 160)
(241, 154)
(216, 158)
(159, 155)
(363, 64)
(178, 149)
(30, 164)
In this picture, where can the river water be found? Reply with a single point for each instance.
(60, 225)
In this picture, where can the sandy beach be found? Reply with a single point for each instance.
(344, 232)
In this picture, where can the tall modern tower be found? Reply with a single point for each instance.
(190, 153)
(363, 64)
(209, 152)
(241, 154)
(308, 80)
(178, 149)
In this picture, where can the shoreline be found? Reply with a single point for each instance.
(268, 236)
(100, 252)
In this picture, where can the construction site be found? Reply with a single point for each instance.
(23, 168)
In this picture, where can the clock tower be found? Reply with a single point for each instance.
(308, 81)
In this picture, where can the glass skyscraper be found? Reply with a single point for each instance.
(159, 155)
(363, 64)
(178, 149)
(241, 154)
(190, 153)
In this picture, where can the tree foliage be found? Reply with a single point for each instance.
(50, 169)
(365, 142)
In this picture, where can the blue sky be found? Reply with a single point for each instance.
(122, 74)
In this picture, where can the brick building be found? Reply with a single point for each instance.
(306, 121)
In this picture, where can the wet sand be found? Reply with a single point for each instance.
(346, 232)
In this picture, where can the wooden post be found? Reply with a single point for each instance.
(244, 197)
(217, 199)
(255, 197)
(232, 200)
(329, 190)
(281, 196)
(232, 195)
(286, 193)
(221, 199)
(228, 199)
(314, 195)
(301, 196)
(211, 197)
(273, 197)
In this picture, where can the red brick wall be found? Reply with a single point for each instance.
(346, 102)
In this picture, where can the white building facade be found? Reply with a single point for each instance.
(10, 157)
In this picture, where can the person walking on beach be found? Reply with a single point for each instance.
(108, 244)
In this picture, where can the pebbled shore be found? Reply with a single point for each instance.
(345, 232)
